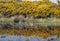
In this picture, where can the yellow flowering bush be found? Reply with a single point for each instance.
(35, 9)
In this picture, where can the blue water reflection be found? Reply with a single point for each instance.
(30, 38)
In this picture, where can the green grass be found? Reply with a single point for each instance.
(49, 21)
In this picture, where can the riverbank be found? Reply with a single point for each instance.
(42, 31)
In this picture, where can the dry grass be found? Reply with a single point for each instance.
(31, 31)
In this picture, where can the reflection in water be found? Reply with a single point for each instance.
(30, 38)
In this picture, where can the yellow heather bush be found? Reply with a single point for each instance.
(35, 9)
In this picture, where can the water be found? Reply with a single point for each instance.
(30, 38)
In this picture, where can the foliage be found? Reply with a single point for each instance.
(35, 9)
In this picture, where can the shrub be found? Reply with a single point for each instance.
(35, 9)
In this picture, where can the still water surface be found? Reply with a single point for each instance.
(30, 38)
